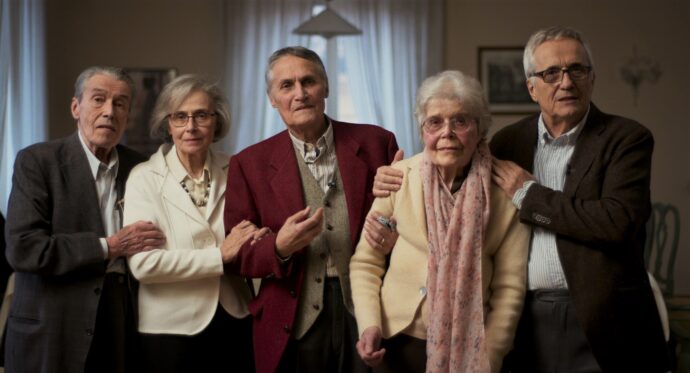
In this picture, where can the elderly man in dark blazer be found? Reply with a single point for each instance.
(72, 308)
(580, 178)
(311, 184)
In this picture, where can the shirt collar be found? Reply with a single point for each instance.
(177, 170)
(568, 138)
(95, 163)
(311, 153)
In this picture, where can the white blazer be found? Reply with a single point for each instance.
(182, 282)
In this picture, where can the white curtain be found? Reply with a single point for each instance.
(22, 84)
(400, 45)
(254, 30)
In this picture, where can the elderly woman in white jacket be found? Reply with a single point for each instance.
(192, 315)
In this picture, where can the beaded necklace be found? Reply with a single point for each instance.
(203, 201)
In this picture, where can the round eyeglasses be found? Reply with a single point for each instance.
(555, 74)
(200, 118)
(458, 123)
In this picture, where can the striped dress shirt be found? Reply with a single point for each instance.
(551, 161)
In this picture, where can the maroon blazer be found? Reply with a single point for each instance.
(264, 187)
(599, 220)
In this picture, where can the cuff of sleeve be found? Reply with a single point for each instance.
(521, 193)
(282, 260)
(104, 245)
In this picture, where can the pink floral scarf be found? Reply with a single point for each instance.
(456, 225)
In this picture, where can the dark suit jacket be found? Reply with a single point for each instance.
(599, 220)
(264, 187)
(53, 230)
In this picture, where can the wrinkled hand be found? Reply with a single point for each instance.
(259, 234)
(387, 178)
(134, 238)
(368, 346)
(380, 237)
(238, 236)
(509, 176)
(298, 231)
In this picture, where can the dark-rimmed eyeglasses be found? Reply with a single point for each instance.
(201, 118)
(555, 74)
(458, 123)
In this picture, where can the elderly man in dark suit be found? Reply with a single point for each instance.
(72, 308)
(303, 318)
(580, 178)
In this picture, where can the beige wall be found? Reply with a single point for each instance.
(181, 34)
(660, 29)
(187, 35)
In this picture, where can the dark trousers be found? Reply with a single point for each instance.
(404, 354)
(114, 347)
(549, 338)
(329, 345)
(225, 345)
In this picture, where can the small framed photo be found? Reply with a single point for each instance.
(148, 84)
(503, 79)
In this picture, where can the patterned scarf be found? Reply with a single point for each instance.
(456, 225)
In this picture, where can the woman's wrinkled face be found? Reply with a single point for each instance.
(196, 136)
(449, 133)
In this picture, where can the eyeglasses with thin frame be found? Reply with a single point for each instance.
(458, 123)
(555, 74)
(202, 118)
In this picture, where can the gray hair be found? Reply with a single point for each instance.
(548, 34)
(296, 51)
(172, 96)
(115, 72)
(454, 85)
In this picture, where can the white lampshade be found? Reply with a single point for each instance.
(327, 24)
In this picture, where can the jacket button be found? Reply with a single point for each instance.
(329, 227)
(89, 332)
(318, 280)
(316, 307)
(97, 291)
(286, 328)
(327, 204)
(422, 291)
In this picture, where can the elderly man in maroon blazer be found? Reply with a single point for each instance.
(311, 185)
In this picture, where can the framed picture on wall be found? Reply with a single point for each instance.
(503, 79)
(148, 84)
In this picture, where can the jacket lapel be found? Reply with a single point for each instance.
(77, 174)
(525, 156)
(353, 171)
(219, 172)
(172, 192)
(285, 181)
(588, 145)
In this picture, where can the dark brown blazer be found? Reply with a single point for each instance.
(53, 230)
(264, 187)
(599, 220)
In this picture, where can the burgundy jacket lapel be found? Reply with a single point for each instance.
(285, 181)
(353, 171)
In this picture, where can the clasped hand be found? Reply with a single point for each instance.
(298, 231)
(134, 238)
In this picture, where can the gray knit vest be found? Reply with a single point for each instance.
(334, 240)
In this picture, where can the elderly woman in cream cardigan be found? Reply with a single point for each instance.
(448, 296)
